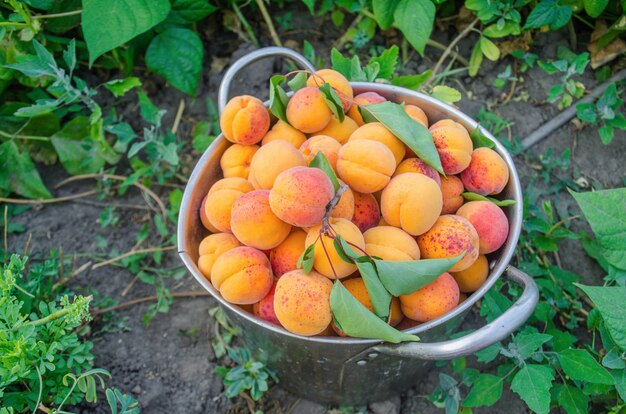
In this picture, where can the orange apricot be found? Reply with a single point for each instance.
(321, 143)
(211, 247)
(284, 257)
(490, 223)
(245, 120)
(308, 111)
(338, 82)
(264, 308)
(431, 301)
(341, 131)
(366, 211)
(418, 166)
(221, 198)
(486, 174)
(362, 99)
(452, 190)
(376, 131)
(470, 279)
(235, 161)
(449, 237)
(390, 243)
(284, 131)
(366, 166)
(453, 144)
(417, 114)
(272, 159)
(242, 275)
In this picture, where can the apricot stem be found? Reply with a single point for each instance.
(330, 262)
(331, 206)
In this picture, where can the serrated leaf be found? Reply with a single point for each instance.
(384, 12)
(415, 19)
(320, 161)
(119, 87)
(532, 383)
(108, 24)
(149, 111)
(340, 63)
(486, 391)
(176, 54)
(571, 398)
(481, 140)
(446, 94)
(468, 195)
(406, 276)
(78, 152)
(298, 82)
(578, 364)
(278, 97)
(356, 320)
(19, 175)
(605, 212)
(610, 302)
(333, 101)
(527, 343)
(387, 62)
(412, 81)
(548, 13)
(409, 131)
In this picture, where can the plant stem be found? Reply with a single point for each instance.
(437, 45)
(57, 15)
(47, 200)
(132, 253)
(270, 24)
(191, 294)
(246, 25)
(344, 38)
(25, 137)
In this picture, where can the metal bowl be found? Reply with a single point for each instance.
(339, 370)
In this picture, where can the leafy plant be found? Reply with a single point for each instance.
(605, 113)
(568, 65)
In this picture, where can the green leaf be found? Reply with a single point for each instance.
(480, 140)
(571, 398)
(384, 12)
(202, 141)
(487, 390)
(619, 375)
(587, 112)
(412, 81)
(341, 64)
(476, 59)
(108, 24)
(186, 12)
(610, 302)
(320, 161)
(490, 353)
(613, 360)
(298, 82)
(605, 212)
(19, 175)
(357, 321)
(305, 261)
(176, 54)
(333, 101)
(532, 383)
(548, 13)
(387, 62)
(78, 152)
(278, 97)
(526, 343)
(149, 111)
(606, 134)
(578, 364)
(594, 8)
(119, 87)
(489, 49)
(446, 94)
(406, 276)
(310, 4)
(409, 131)
(495, 31)
(380, 297)
(415, 19)
(477, 197)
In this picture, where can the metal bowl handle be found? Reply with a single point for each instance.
(222, 97)
(491, 333)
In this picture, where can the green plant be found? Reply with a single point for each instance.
(568, 65)
(604, 113)
(504, 77)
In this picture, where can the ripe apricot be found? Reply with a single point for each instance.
(418, 166)
(321, 143)
(242, 275)
(284, 257)
(362, 99)
(204, 219)
(308, 111)
(390, 243)
(366, 211)
(431, 301)
(338, 82)
(211, 247)
(490, 223)
(365, 165)
(245, 120)
(417, 114)
(376, 131)
(453, 144)
(341, 131)
(412, 202)
(449, 237)
(220, 200)
(486, 174)
(284, 131)
(254, 223)
(470, 279)
(300, 195)
(264, 308)
(345, 229)
(272, 159)
(235, 161)
(302, 302)
(452, 190)
(345, 206)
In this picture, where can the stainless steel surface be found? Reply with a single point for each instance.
(330, 369)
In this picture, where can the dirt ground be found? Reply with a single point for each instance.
(170, 372)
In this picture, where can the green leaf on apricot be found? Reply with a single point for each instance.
(468, 195)
(356, 320)
(379, 296)
(344, 251)
(409, 131)
(305, 261)
(406, 276)
(298, 82)
(481, 140)
(278, 97)
(320, 161)
(333, 101)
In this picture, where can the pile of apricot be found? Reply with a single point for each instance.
(270, 205)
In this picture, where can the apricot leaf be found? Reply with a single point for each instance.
(357, 321)
(305, 261)
(380, 297)
(298, 82)
(278, 97)
(406, 276)
(481, 140)
(468, 195)
(409, 131)
(320, 161)
(333, 101)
